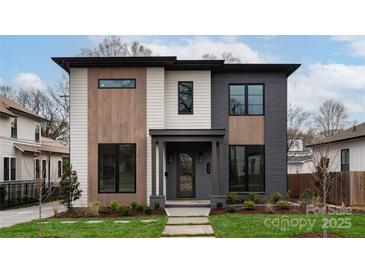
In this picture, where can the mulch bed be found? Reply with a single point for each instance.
(108, 212)
(316, 235)
(260, 210)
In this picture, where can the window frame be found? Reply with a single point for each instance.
(348, 151)
(116, 148)
(59, 168)
(35, 168)
(9, 169)
(39, 133)
(117, 79)
(44, 169)
(178, 98)
(15, 120)
(247, 169)
(245, 95)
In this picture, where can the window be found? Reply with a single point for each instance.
(185, 95)
(44, 169)
(116, 83)
(246, 168)
(9, 168)
(59, 169)
(345, 159)
(14, 128)
(117, 168)
(246, 99)
(37, 132)
(37, 169)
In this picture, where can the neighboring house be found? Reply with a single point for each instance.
(24, 153)
(346, 149)
(299, 158)
(147, 129)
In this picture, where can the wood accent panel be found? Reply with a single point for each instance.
(246, 130)
(117, 116)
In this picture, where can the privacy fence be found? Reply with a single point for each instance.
(348, 187)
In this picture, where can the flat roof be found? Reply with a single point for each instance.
(171, 63)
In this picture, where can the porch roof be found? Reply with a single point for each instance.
(187, 132)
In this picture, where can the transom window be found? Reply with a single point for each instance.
(345, 159)
(9, 169)
(185, 97)
(246, 168)
(116, 83)
(117, 168)
(246, 99)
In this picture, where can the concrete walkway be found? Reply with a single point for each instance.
(25, 214)
(188, 222)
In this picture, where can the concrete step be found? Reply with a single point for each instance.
(187, 203)
(187, 221)
(187, 212)
(188, 230)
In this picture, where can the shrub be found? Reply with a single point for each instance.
(156, 206)
(124, 210)
(147, 210)
(134, 205)
(250, 205)
(286, 197)
(282, 204)
(276, 197)
(114, 205)
(69, 186)
(140, 208)
(231, 209)
(306, 196)
(94, 208)
(219, 205)
(254, 197)
(269, 208)
(232, 197)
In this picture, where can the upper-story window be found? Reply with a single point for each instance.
(345, 159)
(37, 133)
(246, 99)
(185, 97)
(14, 128)
(116, 83)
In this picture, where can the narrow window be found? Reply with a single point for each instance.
(185, 97)
(44, 169)
(345, 159)
(116, 83)
(13, 169)
(37, 133)
(6, 168)
(236, 99)
(14, 128)
(237, 169)
(255, 99)
(117, 168)
(59, 169)
(37, 169)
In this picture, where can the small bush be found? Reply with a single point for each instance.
(140, 208)
(269, 208)
(94, 208)
(232, 197)
(286, 197)
(134, 205)
(276, 197)
(124, 210)
(282, 204)
(219, 205)
(156, 206)
(147, 210)
(306, 196)
(249, 205)
(231, 209)
(114, 205)
(256, 198)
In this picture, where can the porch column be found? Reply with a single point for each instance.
(217, 195)
(160, 167)
(215, 178)
(153, 161)
(157, 198)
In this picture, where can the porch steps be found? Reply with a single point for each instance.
(187, 203)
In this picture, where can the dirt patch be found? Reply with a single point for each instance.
(315, 235)
(108, 212)
(259, 210)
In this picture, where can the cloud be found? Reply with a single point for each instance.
(28, 80)
(355, 43)
(344, 83)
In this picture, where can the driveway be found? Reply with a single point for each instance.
(25, 214)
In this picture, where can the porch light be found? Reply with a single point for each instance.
(200, 157)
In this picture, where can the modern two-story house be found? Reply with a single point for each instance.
(24, 154)
(151, 129)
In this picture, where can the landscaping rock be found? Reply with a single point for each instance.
(121, 222)
(148, 221)
(68, 222)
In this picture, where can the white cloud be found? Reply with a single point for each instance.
(344, 83)
(355, 43)
(28, 80)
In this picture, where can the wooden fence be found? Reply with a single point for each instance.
(348, 187)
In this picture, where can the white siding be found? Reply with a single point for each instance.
(201, 100)
(155, 113)
(79, 129)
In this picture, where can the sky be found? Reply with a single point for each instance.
(332, 66)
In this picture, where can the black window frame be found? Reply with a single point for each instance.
(9, 173)
(246, 106)
(116, 150)
(37, 135)
(59, 168)
(192, 98)
(14, 130)
(44, 168)
(348, 164)
(37, 169)
(118, 79)
(6, 171)
(246, 168)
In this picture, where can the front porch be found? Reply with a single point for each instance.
(187, 167)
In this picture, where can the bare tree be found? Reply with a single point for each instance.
(331, 118)
(228, 57)
(7, 91)
(114, 46)
(296, 122)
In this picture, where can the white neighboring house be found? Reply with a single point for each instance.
(21, 142)
(346, 150)
(299, 158)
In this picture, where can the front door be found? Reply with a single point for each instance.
(185, 175)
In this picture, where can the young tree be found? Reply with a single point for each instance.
(228, 57)
(296, 123)
(70, 191)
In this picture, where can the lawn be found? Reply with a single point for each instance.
(107, 229)
(275, 226)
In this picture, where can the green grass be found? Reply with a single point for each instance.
(80, 229)
(255, 226)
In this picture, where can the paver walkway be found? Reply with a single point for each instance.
(188, 222)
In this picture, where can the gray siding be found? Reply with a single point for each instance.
(275, 122)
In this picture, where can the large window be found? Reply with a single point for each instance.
(116, 83)
(14, 128)
(117, 168)
(37, 133)
(9, 168)
(185, 95)
(246, 168)
(246, 99)
(345, 159)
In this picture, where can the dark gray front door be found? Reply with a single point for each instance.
(185, 175)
